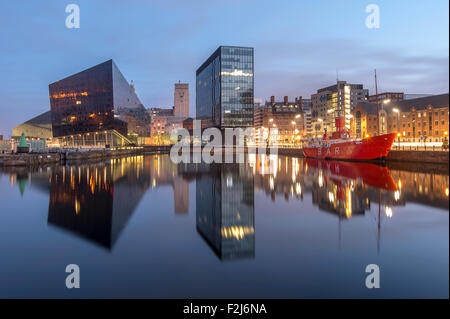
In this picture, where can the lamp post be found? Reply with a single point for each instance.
(445, 142)
(395, 110)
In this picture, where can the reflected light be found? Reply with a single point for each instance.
(388, 212)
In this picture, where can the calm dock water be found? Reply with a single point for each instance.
(274, 227)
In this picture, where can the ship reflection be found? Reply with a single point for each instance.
(347, 189)
(225, 216)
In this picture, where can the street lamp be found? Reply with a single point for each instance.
(395, 110)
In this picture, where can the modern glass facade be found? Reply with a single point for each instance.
(96, 100)
(224, 88)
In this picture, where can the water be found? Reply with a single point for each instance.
(278, 227)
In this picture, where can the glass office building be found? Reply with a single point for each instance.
(224, 88)
(96, 102)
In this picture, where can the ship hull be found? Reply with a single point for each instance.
(370, 148)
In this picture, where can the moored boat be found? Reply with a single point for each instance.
(343, 147)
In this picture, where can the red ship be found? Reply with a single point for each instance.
(342, 146)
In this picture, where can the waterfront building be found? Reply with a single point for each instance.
(39, 127)
(336, 100)
(224, 88)
(96, 107)
(386, 97)
(289, 121)
(160, 112)
(412, 96)
(424, 119)
(6, 146)
(181, 100)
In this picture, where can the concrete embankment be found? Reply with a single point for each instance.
(98, 154)
(440, 157)
(29, 159)
(436, 157)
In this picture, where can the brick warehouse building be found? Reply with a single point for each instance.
(417, 120)
(291, 120)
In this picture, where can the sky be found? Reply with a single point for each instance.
(300, 46)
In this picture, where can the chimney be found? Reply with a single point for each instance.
(286, 100)
(272, 99)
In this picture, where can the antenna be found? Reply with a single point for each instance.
(337, 75)
(376, 98)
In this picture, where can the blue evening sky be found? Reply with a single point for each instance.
(298, 44)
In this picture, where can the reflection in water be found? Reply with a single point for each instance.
(225, 213)
(97, 200)
(348, 188)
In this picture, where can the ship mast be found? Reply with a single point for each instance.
(376, 98)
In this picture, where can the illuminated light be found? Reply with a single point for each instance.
(274, 125)
(270, 120)
(236, 72)
(331, 197)
(395, 110)
(446, 191)
(320, 120)
(348, 210)
(297, 116)
(388, 212)
(77, 206)
(399, 184)
(293, 123)
(445, 133)
(320, 179)
(271, 183)
(367, 135)
(298, 188)
(397, 195)
(387, 101)
(398, 134)
(91, 115)
(237, 88)
(78, 102)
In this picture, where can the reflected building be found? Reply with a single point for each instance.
(96, 201)
(225, 216)
(97, 107)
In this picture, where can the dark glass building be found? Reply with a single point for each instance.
(95, 100)
(224, 88)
